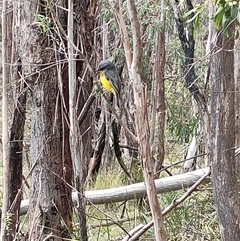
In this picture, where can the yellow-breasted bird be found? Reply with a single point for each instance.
(109, 77)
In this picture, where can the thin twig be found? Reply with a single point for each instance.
(86, 108)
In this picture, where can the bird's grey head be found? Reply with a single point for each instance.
(106, 64)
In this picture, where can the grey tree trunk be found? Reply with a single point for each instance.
(15, 99)
(50, 201)
(50, 207)
(159, 77)
(222, 148)
(133, 57)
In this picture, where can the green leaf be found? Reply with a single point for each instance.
(233, 11)
(197, 22)
(194, 17)
(224, 21)
(218, 16)
(237, 35)
(196, 25)
(189, 12)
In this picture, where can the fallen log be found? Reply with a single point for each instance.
(137, 190)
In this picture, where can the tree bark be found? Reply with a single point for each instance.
(141, 119)
(15, 155)
(50, 202)
(159, 66)
(15, 102)
(237, 98)
(222, 153)
(6, 25)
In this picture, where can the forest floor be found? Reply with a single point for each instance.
(193, 220)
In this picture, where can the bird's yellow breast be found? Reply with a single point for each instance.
(106, 83)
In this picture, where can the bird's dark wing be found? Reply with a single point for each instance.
(114, 78)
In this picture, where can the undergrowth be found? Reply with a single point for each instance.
(193, 220)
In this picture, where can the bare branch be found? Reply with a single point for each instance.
(86, 108)
(135, 26)
(137, 190)
(124, 33)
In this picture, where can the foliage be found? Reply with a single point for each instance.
(193, 220)
(181, 120)
(226, 12)
(8, 221)
(195, 15)
(43, 22)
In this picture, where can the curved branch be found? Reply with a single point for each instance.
(137, 190)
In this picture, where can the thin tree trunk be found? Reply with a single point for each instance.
(5, 137)
(76, 144)
(159, 66)
(237, 97)
(133, 58)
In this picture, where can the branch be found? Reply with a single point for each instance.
(86, 108)
(136, 33)
(133, 231)
(123, 30)
(118, 153)
(137, 190)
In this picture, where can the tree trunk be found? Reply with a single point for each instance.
(6, 25)
(186, 36)
(222, 153)
(159, 67)
(85, 21)
(16, 98)
(141, 121)
(137, 190)
(50, 202)
(15, 156)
